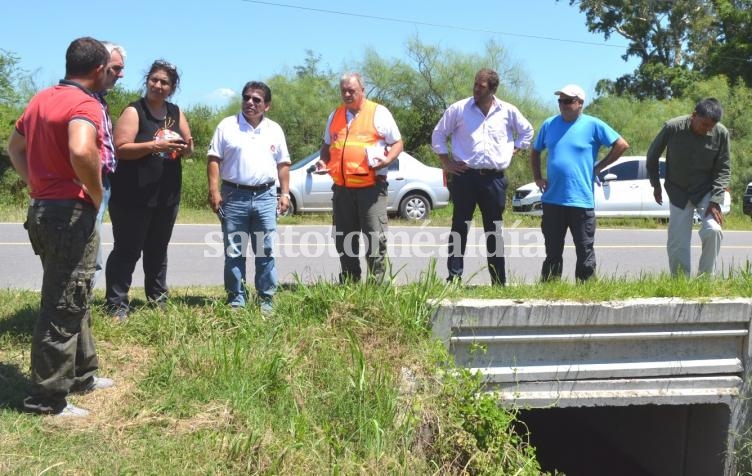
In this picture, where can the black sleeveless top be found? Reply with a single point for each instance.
(150, 181)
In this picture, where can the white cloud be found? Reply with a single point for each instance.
(219, 97)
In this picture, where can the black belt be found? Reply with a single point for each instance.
(488, 172)
(252, 188)
(72, 203)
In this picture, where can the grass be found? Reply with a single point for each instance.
(339, 380)
(441, 217)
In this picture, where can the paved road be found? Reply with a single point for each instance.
(307, 253)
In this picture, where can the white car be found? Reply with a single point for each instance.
(414, 188)
(624, 191)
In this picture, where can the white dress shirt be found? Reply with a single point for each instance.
(482, 141)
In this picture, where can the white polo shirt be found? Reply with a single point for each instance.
(248, 155)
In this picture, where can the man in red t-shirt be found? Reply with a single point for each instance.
(55, 148)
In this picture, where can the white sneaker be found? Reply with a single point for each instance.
(72, 411)
(102, 383)
(98, 383)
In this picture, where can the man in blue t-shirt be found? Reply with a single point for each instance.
(573, 140)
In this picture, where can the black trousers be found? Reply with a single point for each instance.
(488, 192)
(138, 230)
(581, 223)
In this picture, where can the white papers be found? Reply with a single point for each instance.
(375, 155)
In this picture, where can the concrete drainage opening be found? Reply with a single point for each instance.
(641, 386)
(645, 440)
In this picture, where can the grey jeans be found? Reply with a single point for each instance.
(63, 358)
(356, 210)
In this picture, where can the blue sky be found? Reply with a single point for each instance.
(219, 45)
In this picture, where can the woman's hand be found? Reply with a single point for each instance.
(172, 147)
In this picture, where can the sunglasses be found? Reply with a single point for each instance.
(567, 100)
(255, 99)
(165, 64)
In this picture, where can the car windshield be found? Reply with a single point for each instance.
(304, 161)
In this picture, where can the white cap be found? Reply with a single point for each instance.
(572, 90)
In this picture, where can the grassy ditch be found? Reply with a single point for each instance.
(339, 380)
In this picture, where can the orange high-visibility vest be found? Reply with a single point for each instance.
(348, 162)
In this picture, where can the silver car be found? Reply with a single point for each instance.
(414, 188)
(623, 190)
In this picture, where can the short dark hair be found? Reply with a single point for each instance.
(259, 85)
(709, 108)
(167, 67)
(84, 55)
(492, 77)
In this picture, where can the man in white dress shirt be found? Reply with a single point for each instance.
(485, 133)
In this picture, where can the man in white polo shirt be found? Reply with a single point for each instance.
(246, 154)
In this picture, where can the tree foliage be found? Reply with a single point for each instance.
(732, 57)
(418, 90)
(302, 102)
(678, 42)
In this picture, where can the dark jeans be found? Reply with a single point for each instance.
(356, 210)
(137, 230)
(64, 235)
(554, 224)
(488, 192)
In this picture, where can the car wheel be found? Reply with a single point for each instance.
(415, 207)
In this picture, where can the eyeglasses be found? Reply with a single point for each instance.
(117, 69)
(567, 100)
(255, 99)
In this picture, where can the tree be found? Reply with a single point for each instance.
(8, 77)
(302, 103)
(671, 39)
(732, 57)
(418, 91)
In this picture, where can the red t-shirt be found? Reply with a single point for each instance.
(44, 124)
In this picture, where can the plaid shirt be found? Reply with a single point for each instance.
(109, 161)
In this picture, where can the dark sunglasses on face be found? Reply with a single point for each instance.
(567, 100)
(255, 99)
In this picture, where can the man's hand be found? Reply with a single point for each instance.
(715, 210)
(321, 167)
(215, 200)
(283, 203)
(542, 184)
(452, 166)
(658, 195)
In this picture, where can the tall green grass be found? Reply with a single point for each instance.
(339, 380)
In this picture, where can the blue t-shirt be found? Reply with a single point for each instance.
(572, 152)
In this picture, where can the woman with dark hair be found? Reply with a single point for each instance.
(151, 136)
